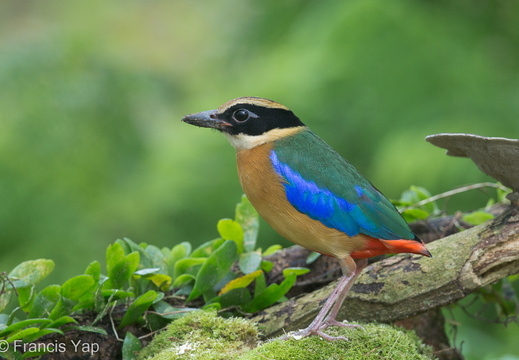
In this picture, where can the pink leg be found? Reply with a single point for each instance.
(326, 316)
(330, 318)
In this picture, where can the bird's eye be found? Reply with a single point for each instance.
(241, 115)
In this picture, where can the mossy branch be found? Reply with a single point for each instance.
(406, 285)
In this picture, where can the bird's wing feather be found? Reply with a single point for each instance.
(321, 184)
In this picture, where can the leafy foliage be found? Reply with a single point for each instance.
(143, 277)
(416, 203)
(225, 274)
(207, 272)
(412, 196)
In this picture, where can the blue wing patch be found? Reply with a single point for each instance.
(352, 216)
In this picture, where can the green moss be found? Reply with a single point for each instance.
(378, 341)
(202, 335)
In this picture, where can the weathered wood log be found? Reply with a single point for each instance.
(405, 285)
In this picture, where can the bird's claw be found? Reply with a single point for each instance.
(331, 338)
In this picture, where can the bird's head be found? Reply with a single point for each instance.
(249, 121)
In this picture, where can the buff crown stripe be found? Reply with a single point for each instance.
(266, 103)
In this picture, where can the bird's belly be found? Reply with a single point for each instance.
(265, 191)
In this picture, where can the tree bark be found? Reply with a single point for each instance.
(406, 285)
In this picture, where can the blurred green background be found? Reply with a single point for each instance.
(91, 96)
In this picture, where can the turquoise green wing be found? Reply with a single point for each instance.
(323, 185)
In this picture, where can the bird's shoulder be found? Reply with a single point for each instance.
(311, 157)
(322, 184)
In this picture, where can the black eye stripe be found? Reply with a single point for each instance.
(260, 119)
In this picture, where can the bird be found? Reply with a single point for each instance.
(309, 194)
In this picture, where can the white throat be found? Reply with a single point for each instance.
(247, 142)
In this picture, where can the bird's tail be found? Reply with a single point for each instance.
(375, 247)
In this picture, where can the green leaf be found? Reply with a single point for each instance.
(207, 248)
(214, 269)
(131, 263)
(15, 355)
(131, 246)
(18, 326)
(215, 306)
(241, 282)
(61, 321)
(295, 270)
(45, 301)
(185, 290)
(234, 297)
(63, 307)
(477, 217)
(312, 257)
(248, 219)
(116, 294)
(125, 245)
(93, 300)
(249, 262)
(131, 346)
(30, 272)
(272, 249)
(266, 265)
(415, 214)
(170, 312)
(92, 329)
(231, 230)
(260, 285)
(183, 280)
(157, 258)
(137, 308)
(501, 194)
(26, 297)
(416, 194)
(94, 269)
(178, 252)
(186, 248)
(163, 282)
(147, 271)
(77, 286)
(120, 267)
(22, 334)
(35, 336)
(270, 295)
(88, 303)
(188, 266)
(5, 299)
(114, 255)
